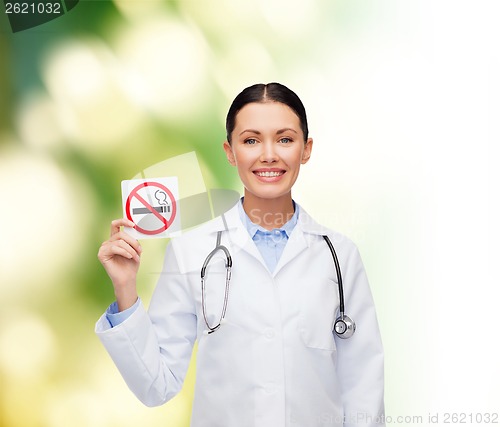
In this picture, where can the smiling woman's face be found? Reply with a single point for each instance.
(268, 147)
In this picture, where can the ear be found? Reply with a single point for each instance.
(229, 153)
(306, 155)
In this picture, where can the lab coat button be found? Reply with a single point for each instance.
(269, 333)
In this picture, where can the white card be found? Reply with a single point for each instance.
(153, 205)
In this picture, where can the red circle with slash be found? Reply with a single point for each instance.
(135, 193)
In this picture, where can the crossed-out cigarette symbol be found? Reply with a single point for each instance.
(163, 207)
(166, 207)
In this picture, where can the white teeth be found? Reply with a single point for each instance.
(268, 174)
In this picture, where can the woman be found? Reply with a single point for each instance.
(273, 360)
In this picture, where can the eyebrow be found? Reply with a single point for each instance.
(286, 130)
(278, 132)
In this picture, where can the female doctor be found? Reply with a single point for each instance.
(270, 350)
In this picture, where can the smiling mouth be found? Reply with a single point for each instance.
(269, 174)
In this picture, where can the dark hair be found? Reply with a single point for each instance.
(270, 92)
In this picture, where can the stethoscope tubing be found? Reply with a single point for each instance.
(339, 275)
(229, 264)
(344, 326)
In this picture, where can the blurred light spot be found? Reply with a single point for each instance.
(110, 391)
(165, 66)
(82, 407)
(224, 19)
(77, 71)
(136, 10)
(290, 18)
(38, 123)
(28, 346)
(84, 80)
(45, 217)
(244, 62)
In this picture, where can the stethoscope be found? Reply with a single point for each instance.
(344, 326)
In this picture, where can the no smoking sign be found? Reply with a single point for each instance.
(152, 204)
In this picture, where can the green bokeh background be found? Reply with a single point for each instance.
(402, 99)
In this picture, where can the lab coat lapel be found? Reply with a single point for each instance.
(237, 238)
(296, 244)
(305, 230)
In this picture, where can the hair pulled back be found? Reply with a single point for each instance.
(270, 92)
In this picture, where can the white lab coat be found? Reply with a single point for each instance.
(274, 362)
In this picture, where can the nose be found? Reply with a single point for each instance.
(268, 154)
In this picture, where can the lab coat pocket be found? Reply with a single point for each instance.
(319, 305)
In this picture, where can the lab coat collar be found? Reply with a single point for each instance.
(253, 228)
(308, 225)
(234, 233)
(236, 236)
(304, 233)
(231, 220)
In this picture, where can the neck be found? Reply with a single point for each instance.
(269, 213)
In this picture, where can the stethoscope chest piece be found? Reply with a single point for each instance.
(344, 327)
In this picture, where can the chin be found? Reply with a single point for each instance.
(269, 193)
